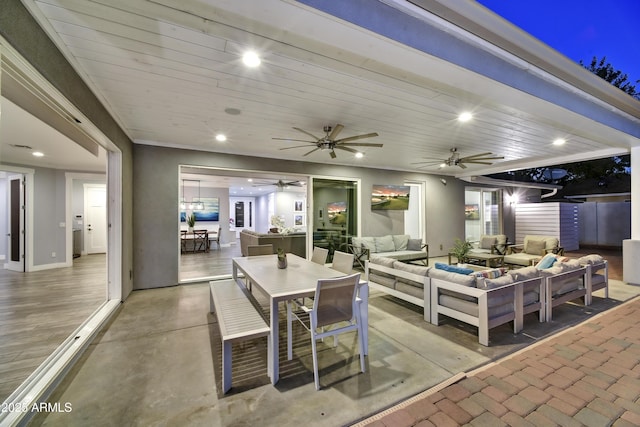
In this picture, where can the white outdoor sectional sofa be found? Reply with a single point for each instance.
(398, 246)
(491, 297)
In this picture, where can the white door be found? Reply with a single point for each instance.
(414, 216)
(16, 221)
(95, 218)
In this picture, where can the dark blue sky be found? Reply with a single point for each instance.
(581, 29)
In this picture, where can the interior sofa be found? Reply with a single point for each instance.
(400, 247)
(295, 243)
(533, 248)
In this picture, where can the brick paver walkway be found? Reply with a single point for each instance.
(588, 375)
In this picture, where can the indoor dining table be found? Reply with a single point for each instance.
(298, 280)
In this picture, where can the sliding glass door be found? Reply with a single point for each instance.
(483, 213)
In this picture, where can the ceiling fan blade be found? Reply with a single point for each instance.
(473, 159)
(357, 144)
(336, 130)
(293, 184)
(332, 154)
(478, 155)
(315, 149)
(478, 163)
(307, 133)
(342, 147)
(297, 146)
(462, 165)
(295, 140)
(353, 138)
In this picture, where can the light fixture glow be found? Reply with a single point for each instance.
(442, 165)
(465, 117)
(38, 154)
(559, 141)
(359, 155)
(221, 137)
(251, 59)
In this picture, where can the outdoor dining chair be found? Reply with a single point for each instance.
(336, 310)
(319, 255)
(342, 262)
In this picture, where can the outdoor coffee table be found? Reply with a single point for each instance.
(489, 260)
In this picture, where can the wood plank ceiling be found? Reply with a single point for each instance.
(171, 73)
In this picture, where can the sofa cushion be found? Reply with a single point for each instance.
(420, 270)
(471, 307)
(382, 279)
(400, 241)
(590, 259)
(453, 268)
(414, 289)
(366, 243)
(461, 279)
(534, 247)
(495, 283)
(384, 244)
(381, 260)
(486, 242)
(547, 261)
(524, 273)
(414, 245)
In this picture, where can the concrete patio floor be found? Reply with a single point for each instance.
(158, 363)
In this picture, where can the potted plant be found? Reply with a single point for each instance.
(191, 221)
(282, 258)
(461, 249)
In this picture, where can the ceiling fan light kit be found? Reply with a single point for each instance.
(329, 142)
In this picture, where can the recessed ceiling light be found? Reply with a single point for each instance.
(221, 137)
(465, 117)
(443, 165)
(233, 111)
(38, 154)
(250, 179)
(559, 141)
(359, 155)
(251, 59)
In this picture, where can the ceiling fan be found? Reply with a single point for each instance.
(329, 141)
(280, 184)
(456, 160)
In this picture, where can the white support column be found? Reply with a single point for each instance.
(631, 247)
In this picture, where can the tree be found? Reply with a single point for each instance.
(605, 70)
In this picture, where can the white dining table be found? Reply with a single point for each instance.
(298, 280)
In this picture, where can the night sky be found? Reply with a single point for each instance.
(581, 29)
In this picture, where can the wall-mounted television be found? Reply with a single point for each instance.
(390, 197)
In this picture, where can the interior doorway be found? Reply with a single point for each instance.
(95, 224)
(16, 223)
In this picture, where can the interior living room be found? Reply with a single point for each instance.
(163, 113)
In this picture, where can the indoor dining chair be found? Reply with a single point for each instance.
(253, 250)
(319, 255)
(342, 262)
(336, 310)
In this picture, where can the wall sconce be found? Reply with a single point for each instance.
(512, 199)
(443, 181)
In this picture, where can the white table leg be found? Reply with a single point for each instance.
(272, 359)
(363, 293)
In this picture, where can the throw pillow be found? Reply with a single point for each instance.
(534, 247)
(491, 273)
(400, 241)
(546, 262)
(414, 245)
(385, 244)
(453, 268)
(369, 243)
(486, 242)
(590, 259)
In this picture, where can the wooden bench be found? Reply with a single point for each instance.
(238, 319)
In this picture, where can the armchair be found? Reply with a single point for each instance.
(532, 250)
(491, 244)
